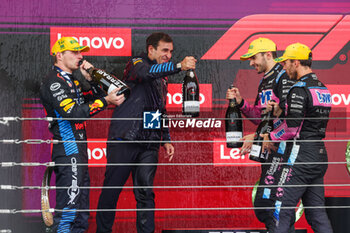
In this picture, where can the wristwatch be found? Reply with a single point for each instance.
(178, 65)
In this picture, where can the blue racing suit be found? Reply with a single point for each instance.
(62, 97)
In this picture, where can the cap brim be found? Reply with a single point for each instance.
(280, 59)
(246, 56)
(81, 49)
(84, 49)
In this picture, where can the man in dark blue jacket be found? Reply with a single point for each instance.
(146, 75)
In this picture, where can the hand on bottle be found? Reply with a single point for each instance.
(247, 144)
(234, 93)
(169, 151)
(188, 63)
(85, 65)
(276, 108)
(267, 143)
(113, 98)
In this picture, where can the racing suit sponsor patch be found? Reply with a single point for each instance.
(294, 154)
(68, 107)
(73, 190)
(267, 193)
(276, 214)
(282, 147)
(96, 104)
(136, 60)
(65, 102)
(55, 86)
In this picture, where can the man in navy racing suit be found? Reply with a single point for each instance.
(307, 99)
(146, 76)
(274, 85)
(62, 97)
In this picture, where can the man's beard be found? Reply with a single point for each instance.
(293, 75)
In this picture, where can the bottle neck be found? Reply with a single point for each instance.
(190, 73)
(270, 114)
(233, 102)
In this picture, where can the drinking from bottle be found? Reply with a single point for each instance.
(108, 81)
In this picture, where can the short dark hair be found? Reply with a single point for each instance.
(307, 62)
(274, 54)
(155, 37)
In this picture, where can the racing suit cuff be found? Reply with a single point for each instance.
(104, 101)
(269, 135)
(282, 115)
(241, 104)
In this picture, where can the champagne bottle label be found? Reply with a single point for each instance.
(233, 136)
(264, 155)
(191, 106)
(255, 151)
(111, 88)
(105, 82)
(109, 77)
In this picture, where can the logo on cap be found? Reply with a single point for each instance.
(258, 46)
(295, 51)
(68, 43)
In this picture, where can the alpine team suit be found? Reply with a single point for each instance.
(307, 99)
(148, 84)
(274, 86)
(62, 97)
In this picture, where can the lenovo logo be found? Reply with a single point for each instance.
(97, 152)
(102, 41)
(229, 156)
(174, 97)
(326, 35)
(340, 95)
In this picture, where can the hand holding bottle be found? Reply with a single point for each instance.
(257, 152)
(84, 66)
(271, 104)
(234, 93)
(188, 63)
(247, 143)
(267, 143)
(233, 125)
(113, 98)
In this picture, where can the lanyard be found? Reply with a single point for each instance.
(69, 81)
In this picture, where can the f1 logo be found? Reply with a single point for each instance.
(151, 120)
(326, 35)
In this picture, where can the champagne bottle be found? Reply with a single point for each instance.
(108, 81)
(265, 126)
(233, 125)
(190, 94)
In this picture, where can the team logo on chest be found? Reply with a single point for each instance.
(265, 96)
(323, 98)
